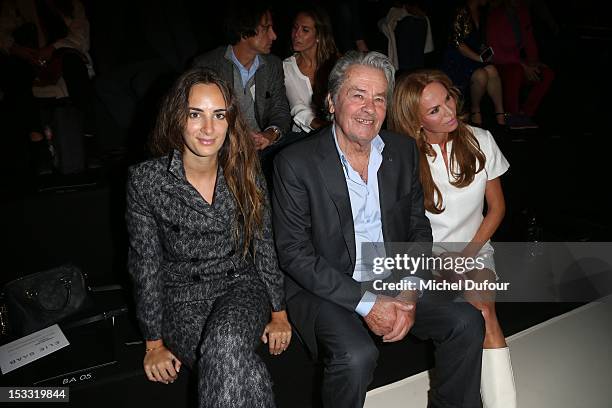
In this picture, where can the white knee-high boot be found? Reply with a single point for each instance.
(497, 380)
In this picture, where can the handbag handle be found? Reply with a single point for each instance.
(32, 294)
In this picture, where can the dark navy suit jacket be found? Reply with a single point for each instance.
(313, 222)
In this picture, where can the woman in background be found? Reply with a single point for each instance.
(467, 65)
(306, 71)
(460, 168)
(201, 253)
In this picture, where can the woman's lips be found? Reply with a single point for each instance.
(206, 142)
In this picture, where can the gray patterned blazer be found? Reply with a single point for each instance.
(181, 248)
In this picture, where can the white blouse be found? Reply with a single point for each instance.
(299, 94)
(463, 207)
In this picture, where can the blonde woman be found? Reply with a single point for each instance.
(460, 168)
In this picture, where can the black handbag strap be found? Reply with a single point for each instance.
(96, 318)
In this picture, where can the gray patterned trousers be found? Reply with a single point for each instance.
(218, 337)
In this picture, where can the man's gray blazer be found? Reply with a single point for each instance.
(271, 105)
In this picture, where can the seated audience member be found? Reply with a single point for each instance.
(349, 184)
(424, 106)
(467, 63)
(201, 253)
(256, 76)
(306, 71)
(510, 33)
(45, 43)
(409, 37)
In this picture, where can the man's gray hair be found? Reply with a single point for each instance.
(372, 59)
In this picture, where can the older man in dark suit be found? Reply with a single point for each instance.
(257, 76)
(350, 184)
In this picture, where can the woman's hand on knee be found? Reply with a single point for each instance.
(450, 274)
(277, 333)
(160, 364)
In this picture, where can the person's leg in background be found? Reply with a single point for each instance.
(538, 91)
(495, 92)
(80, 89)
(478, 86)
(512, 78)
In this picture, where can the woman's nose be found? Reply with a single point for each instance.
(449, 111)
(207, 125)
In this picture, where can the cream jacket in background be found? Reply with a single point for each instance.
(387, 26)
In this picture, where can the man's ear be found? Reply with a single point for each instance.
(330, 104)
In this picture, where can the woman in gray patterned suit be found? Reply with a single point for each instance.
(201, 252)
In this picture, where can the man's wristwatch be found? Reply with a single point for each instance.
(276, 132)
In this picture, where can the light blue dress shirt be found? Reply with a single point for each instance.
(367, 221)
(245, 74)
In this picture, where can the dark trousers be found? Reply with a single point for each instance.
(80, 89)
(349, 354)
(217, 338)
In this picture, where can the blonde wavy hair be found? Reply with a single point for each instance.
(404, 117)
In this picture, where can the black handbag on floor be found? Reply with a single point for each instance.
(44, 298)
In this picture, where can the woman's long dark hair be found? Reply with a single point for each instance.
(237, 156)
(404, 118)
